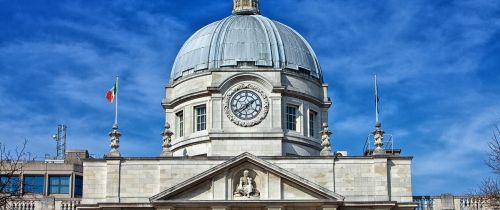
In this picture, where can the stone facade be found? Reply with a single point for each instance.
(246, 114)
(270, 137)
(342, 182)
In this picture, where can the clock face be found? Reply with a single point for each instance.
(246, 104)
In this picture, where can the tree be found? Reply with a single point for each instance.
(11, 165)
(494, 155)
(490, 187)
(488, 194)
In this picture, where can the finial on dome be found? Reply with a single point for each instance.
(246, 7)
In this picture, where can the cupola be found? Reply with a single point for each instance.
(246, 7)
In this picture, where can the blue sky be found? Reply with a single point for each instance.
(438, 64)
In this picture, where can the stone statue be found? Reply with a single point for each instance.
(245, 187)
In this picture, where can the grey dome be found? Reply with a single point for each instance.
(249, 38)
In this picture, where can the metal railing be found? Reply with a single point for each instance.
(388, 143)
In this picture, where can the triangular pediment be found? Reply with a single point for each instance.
(228, 181)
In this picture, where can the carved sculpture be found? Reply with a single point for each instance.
(378, 136)
(325, 141)
(245, 186)
(167, 141)
(114, 137)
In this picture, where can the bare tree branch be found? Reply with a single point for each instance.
(489, 191)
(11, 166)
(494, 154)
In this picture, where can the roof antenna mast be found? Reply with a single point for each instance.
(60, 138)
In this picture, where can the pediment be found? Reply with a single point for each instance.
(230, 180)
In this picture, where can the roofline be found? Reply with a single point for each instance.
(224, 158)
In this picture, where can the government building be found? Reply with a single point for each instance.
(246, 128)
(247, 112)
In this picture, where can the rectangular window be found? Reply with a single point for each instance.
(9, 184)
(33, 184)
(78, 186)
(58, 184)
(201, 118)
(179, 123)
(291, 118)
(312, 123)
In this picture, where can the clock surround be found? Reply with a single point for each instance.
(250, 98)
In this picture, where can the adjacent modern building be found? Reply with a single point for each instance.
(47, 185)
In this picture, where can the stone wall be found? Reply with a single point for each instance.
(222, 137)
(135, 180)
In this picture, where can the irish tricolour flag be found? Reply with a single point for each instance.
(111, 94)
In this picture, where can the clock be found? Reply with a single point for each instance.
(246, 104)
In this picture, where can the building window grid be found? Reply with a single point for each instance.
(33, 184)
(291, 118)
(312, 123)
(58, 184)
(10, 184)
(180, 123)
(201, 118)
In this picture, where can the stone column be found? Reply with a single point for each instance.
(380, 178)
(113, 181)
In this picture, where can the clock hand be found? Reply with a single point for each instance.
(245, 106)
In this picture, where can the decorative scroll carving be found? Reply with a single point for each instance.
(246, 123)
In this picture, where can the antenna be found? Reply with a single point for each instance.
(60, 138)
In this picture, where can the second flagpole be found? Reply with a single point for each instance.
(116, 102)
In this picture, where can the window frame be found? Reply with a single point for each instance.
(13, 186)
(78, 186)
(33, 183)
(59, 185)
(200, 119)
(291, 124)
(179, 123)
(312, 123)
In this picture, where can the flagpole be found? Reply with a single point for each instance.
(116, 102)
(376, 100)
